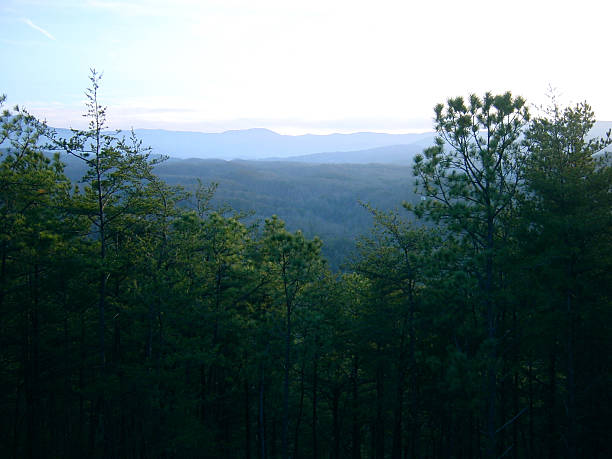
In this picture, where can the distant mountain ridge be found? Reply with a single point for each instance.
(259, 143)
(263, 143)
(393, 154)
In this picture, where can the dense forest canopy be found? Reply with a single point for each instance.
(322, 200)
(142, 319)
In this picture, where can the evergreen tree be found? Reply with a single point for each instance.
(469, 181)
(292, 262)
(567, 248)
(35, 239)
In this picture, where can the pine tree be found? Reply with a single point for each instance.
(469, 181)
(567, 241)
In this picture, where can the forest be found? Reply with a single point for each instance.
(324, 200)
(141, 320)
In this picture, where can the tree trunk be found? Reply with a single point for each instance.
(531, 452)
(285, 430)
(261, 418)
(315, 376)
(412, 372)
(102, 297)
(380, 422)
(571, 383)
(356, 440)
(492, 357)
(336, 422)
(32, 382)
(398, 431)
(247, 419)
(551, 408)
(299, 416)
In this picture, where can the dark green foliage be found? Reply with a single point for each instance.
(320, 200)
(141, 319)
(470, 180)
(566, 245)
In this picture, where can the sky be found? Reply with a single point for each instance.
(313, 66)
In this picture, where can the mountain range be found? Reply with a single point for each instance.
(257, 144)
(264, 144)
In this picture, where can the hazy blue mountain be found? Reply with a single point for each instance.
(262, 143)
(394, 154)
(250, 144)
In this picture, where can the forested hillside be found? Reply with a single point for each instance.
(322, 200)
(141, 320)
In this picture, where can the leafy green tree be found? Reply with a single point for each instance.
(112, 198)
(469, 181)
(117, 170)
(291, 262)
(35, 236)
(394, 260)
(567, 236)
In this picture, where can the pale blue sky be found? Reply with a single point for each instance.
(297, 66)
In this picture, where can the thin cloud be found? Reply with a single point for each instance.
(40, 29)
